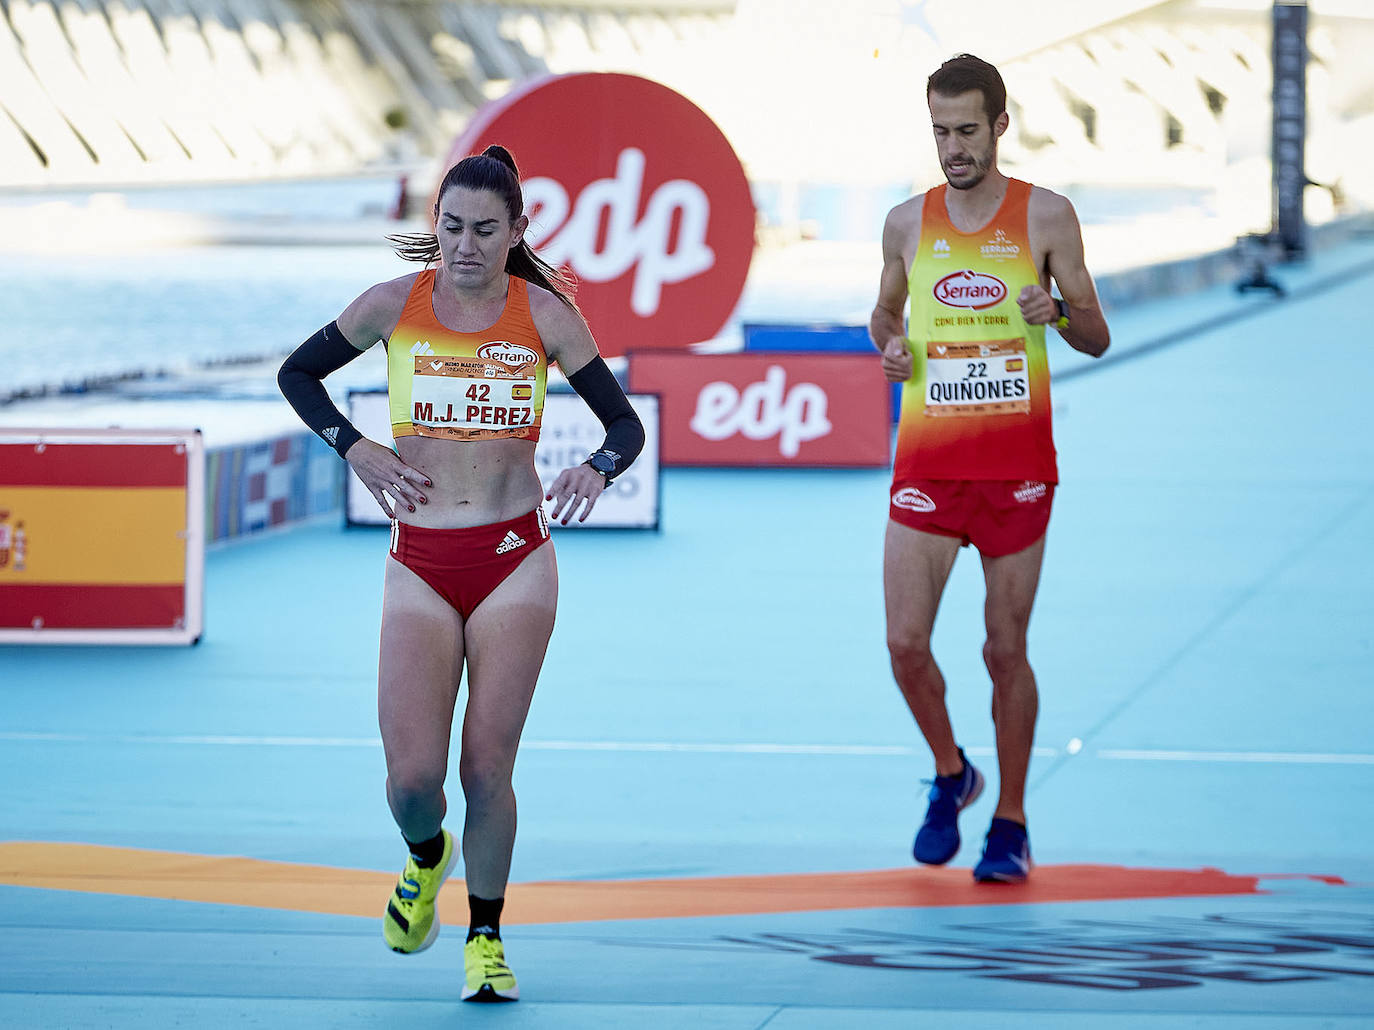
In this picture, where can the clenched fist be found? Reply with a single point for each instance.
(897, 360)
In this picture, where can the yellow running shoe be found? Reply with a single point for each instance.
(488, 976)
(410, 923)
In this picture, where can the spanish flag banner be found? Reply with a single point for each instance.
(102, 536)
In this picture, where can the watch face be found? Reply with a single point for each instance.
(602, 464)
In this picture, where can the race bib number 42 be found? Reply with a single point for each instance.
(988, 377)
(471, 398)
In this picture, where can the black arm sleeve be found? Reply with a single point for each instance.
(596, 385)
(301, 384)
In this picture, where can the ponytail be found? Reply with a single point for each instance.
(492, 171)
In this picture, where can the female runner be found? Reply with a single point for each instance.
(471, 577)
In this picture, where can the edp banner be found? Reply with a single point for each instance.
(769, 409)
(650, 208)
(816, 336)
(568, 434)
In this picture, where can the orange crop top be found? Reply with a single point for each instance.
(484, 385)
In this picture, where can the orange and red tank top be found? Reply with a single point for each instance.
(484, 385)
(977, 405)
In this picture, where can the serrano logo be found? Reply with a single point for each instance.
(763, 410)
(1029, 492)
(513, 355)
(650, 210)
(970, 289)
(912, 499)
(1000, 248)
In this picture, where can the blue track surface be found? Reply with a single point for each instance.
(1204, 628)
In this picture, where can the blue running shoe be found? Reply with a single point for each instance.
(1006, 854)
(937, 840)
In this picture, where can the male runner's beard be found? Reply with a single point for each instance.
(974, 172)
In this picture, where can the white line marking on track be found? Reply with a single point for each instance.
(1272, 757)
(707, 748)
(217, 740)
(636, 746)
(644, 746)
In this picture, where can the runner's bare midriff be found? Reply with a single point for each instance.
(475, 482)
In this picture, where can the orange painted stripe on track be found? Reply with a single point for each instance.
(282, 885)
(359, 892)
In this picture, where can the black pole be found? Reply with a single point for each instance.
(1290, 127)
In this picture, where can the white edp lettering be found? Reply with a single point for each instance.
(763, 410)
(641, 245)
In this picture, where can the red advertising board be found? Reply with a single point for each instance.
(632, 187)
(768, 409)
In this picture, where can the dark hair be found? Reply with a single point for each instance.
(492, 171)
(965, 73)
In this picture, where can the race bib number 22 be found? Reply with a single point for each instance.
(987, 377)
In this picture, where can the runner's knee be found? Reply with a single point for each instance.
(1004, 656)
(411, 784)
(909, 650)
(484, 773)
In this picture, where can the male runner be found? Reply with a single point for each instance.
(975, 456)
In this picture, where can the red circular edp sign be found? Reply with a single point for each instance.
(633, 187)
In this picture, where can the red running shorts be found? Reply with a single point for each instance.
(999, 517)
(465, 565)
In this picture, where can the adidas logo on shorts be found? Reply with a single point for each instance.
(510, 543)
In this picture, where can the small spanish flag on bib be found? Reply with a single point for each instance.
(521, 393)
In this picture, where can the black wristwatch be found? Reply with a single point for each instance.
(1063, 321)
(603, 464)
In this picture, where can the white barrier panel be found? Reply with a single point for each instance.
(569, 433)
(102, 536)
